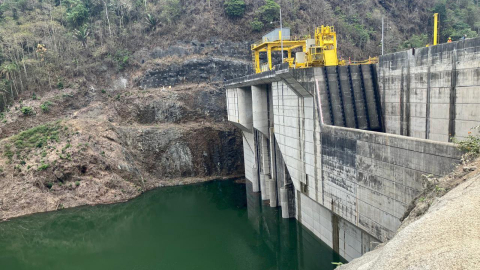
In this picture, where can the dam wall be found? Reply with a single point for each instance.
(340, 148)
(432, 93)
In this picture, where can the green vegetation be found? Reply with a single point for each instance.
(471, 144)
(8, 152)
(46, 106)
(45, 44)
(256, 25)
(49, 185)
(152, 22)
(68, 145)
(43, 167)
(234, 8)
(60, 83)
(121, 58)
(27, 110)
(269, 12)
(81, 35)
(416, 41)
(37, 137)
(458, 18)
(77, 183)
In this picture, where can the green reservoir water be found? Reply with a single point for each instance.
(210, 226)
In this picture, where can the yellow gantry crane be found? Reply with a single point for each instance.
(270, 44)
(319, 51)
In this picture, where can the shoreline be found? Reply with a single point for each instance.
(149, 187)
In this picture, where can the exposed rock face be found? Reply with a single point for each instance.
(113, 144)
(194, 71)
(193, 62)
(213, 47)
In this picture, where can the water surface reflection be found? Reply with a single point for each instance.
(215, 225)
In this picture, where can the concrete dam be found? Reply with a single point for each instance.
(345, 149)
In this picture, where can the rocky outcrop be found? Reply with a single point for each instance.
(118, 145)
(195, 70)
(103, 145)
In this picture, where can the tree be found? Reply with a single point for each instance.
(270, 11)
(234, 8)
(77, 12)
(82, 35)
(256, 25)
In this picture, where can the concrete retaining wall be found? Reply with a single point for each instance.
(370, 178)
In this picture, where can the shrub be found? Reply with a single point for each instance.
(36, 137)
(270, 11)
(49, 185)
(8, 151)
(151, 22)
(43, 167)
(416, 41)
(121, 57)
(77, 183)
(45, 106)
(471, 144)
(256, 25)
(77, 12)
(60, 84)
(234, 8)
(27, 110)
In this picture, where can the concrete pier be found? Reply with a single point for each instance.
(347, 148)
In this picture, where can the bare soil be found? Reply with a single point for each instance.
(98, 147)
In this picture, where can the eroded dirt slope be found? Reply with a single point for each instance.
(103, 146)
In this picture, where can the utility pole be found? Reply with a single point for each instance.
(281, 33)
(382, 34)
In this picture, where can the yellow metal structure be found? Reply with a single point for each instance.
(273, 46)
(435, 29)
(324, 53)
(320, 51)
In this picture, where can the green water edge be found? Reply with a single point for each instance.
(219, 224)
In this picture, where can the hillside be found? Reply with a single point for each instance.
(55, 44)
(102, 100)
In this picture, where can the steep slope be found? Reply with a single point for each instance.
(113, 147)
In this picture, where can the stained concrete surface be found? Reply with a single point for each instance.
(446, 237)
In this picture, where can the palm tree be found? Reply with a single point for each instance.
(82, 34)
(152, 22)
